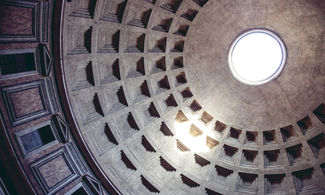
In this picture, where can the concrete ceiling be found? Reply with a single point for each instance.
(133, 99)
(281, 102)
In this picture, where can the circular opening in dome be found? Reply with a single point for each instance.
(256, 57)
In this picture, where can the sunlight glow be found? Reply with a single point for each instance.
(195, 144)
(256, 57)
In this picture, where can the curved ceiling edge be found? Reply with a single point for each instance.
(61, 85)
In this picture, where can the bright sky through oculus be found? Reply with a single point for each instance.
(256, 57)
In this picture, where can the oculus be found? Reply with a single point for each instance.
(256, 56)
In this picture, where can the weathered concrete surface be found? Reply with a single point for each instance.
(288, 98)
(284, 101)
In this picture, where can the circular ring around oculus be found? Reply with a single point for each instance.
(256, 56)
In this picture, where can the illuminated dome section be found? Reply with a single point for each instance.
(151, 94)
(256, 57)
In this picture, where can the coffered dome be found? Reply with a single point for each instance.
(154, 98)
